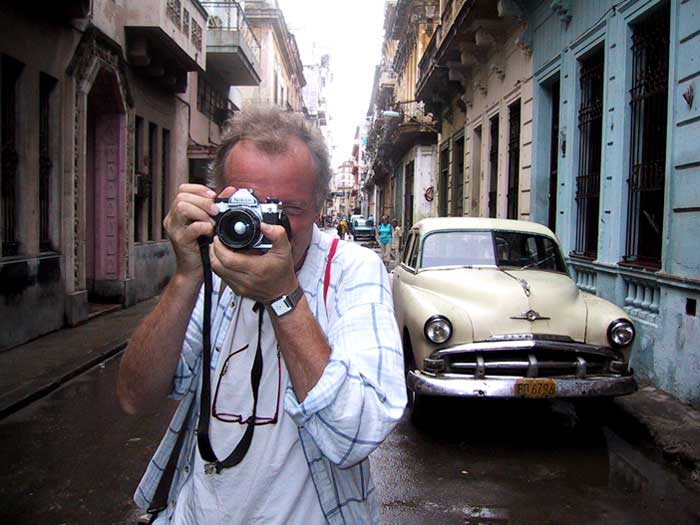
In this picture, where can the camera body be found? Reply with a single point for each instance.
(240, 215)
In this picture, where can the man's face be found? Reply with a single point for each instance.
(289, 177)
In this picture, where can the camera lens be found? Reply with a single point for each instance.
(238, 228)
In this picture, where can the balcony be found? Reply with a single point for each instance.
(165, 39)
(468, 34)
(233, 52)
(387, 80)
(412, 125)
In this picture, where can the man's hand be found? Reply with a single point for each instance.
(262, 278)
(190, 217)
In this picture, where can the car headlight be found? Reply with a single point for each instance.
(620, 333)
(438, 329)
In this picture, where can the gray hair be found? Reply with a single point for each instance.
(271, 131)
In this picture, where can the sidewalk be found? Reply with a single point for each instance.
(31, 371)
(657, 419)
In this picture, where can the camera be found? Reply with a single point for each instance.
(240, 215)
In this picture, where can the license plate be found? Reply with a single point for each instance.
(535, 388)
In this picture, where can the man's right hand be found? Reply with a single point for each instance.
(190, 217)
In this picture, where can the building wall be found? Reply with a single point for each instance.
(93, 256)
(660, 302)
(488, 92)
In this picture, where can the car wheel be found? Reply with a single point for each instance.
(418, 404)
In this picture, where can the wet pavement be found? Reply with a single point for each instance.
(74, 458)
(511, 462)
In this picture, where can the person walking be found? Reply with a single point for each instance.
(396, 235)
(384, 231)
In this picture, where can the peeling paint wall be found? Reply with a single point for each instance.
(667, 348)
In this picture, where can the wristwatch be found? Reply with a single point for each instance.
(286, 303)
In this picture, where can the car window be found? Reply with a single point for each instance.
(407, 248)
(524, 250)
(413, 260)
(359, 222)
(458, 248)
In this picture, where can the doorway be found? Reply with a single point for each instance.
(105, 131)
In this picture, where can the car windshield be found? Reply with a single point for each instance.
(505, 249)
(360, 222)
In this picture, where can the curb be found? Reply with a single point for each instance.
(628, 418)
(44, 388)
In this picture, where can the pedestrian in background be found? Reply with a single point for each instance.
(396, 235)
(384, 231)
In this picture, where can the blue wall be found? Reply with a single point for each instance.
(667, 350)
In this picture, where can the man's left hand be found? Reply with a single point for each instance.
(262, 278)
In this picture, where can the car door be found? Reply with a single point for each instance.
(403, 276)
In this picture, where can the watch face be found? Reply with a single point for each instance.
(280, 307)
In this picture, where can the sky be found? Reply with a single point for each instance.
(352, 33)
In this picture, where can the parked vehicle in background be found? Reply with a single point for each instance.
(361, 229)
(487, 308)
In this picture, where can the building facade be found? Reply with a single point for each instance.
(95, 137)
(615, 166)
(283, 78)
(475, 77)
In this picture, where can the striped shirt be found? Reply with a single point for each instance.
(358, 400)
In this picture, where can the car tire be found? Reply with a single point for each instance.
(418, 405)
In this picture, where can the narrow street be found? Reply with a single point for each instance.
(74, 457)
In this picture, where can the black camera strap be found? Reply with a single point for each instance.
(205, 448)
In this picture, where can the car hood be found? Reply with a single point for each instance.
(497, 302)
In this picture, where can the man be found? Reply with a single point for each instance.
(396, 235)
(331, 387)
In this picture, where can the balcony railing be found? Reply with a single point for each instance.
(229, 16)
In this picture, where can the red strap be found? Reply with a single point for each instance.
(327, 278)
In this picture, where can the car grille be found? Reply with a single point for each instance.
(529, 363)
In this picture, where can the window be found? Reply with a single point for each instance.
(444, 172)
(46, 86)
(554, 157)
(211, 102)
(405, 257)
(590, 124)
(649, 105)
(493, 168)
(458, 178)
(142, 186)
(413, 260)
(152, 159)
(513, 159)
(475, 178)
(11, 70)
(165, 169)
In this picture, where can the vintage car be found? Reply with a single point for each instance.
(487, 308)
(362, 229)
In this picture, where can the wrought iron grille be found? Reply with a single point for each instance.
(458, 178)
(141, 192)
(493, 167)
(554, 158)
(11, 70)
(186, 22)
(196, 34)
(590, 124)
(444, 171)
(46, 85)
(649, 104)
(513, 159)
(165, 171)
(173, 10)
(152, 150)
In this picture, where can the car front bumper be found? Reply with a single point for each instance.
(454, 385)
